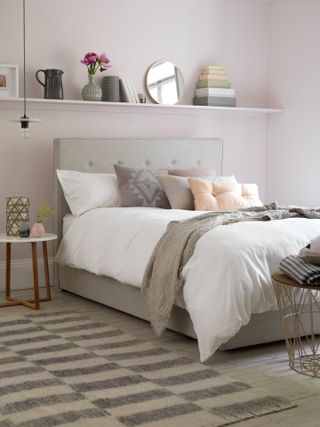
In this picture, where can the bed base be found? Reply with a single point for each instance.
(262, 328)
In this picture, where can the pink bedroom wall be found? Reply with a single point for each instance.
(293, 172)
(192, 34)
(134, 34)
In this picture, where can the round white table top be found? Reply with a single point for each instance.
(4, 238)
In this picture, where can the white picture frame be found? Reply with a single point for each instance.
(9, 81)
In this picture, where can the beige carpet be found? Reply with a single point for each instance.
(63, 369)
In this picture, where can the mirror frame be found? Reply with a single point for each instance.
(146, 81)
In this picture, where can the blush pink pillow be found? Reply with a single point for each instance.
(223, 196)
(199, 172)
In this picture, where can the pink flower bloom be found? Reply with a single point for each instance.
(90, 58)
(105, 66)
(103, 59)
(95, 62)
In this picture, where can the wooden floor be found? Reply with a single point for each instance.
(263, 366)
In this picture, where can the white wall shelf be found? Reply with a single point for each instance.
(37, 104)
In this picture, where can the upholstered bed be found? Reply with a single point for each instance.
(99, 155)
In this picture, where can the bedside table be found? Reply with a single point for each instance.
(9, 241)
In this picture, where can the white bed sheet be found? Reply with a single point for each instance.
(67, 222)
(227, 279)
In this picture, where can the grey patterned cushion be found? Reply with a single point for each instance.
(139, 187)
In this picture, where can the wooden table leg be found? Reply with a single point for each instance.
(35, 275)
(8, 297)
(8, 270)
(46, 270)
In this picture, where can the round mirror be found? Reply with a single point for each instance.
(164, 82)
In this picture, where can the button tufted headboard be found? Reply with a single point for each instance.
(99, 155)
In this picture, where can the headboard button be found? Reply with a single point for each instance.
(148, 163)
(173, 162)
(198, 162)
(119, 162)
(90, 164)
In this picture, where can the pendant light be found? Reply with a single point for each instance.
(25, 120)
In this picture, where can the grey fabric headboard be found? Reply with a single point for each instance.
(99, 155)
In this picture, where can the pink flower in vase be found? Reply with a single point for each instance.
(90, 58)
(94, 62)
(104, 62)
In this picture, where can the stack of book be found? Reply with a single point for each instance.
(128, 92)
(214, 88)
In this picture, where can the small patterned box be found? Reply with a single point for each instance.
(17, 211)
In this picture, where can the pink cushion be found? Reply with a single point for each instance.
(199, 172)
(223, 196)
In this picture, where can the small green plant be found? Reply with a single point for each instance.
(43, 212)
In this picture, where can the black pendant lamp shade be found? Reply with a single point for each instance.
(25, 120)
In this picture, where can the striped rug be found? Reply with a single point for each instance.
(63, 369)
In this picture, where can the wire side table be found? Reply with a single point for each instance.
(299, 307)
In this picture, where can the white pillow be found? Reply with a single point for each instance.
(311, 253)
(223, 179)
(84, 191)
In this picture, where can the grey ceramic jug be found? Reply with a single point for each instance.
(52, 83)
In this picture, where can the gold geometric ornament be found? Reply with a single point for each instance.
(17, 211)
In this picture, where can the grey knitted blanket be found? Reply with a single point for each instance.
(162, 279)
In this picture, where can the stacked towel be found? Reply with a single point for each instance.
(213, 88)
(301, 271)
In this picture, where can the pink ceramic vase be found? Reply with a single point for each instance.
(37, 230)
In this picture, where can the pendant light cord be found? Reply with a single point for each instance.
(24, 61)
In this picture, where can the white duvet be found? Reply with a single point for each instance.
(227, 279)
